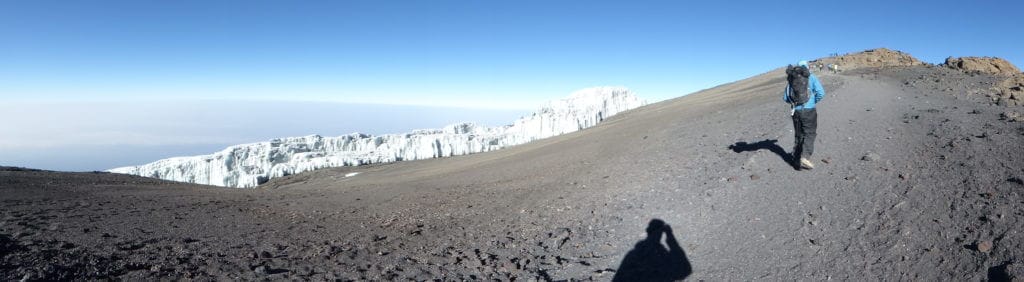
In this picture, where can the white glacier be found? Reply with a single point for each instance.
(248, 165)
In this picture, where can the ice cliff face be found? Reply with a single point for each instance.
(248, 165)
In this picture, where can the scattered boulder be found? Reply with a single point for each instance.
(1011, 116)
(988, 65)
(871, 157)
(1007, 102)
(984, 246)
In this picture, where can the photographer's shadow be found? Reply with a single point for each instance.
(649, 260)
(768, 144)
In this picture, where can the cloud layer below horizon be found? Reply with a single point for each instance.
(102, 135)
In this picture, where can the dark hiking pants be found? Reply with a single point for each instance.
(805, 124)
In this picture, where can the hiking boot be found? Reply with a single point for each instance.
(806, 164)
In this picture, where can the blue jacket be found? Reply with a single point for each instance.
(815, 86)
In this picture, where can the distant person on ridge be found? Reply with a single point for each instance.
(801, 83)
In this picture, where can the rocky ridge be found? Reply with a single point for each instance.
(1008, 92)
(873, 58)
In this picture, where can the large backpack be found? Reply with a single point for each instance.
(797, 78)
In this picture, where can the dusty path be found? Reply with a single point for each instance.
(944, 176)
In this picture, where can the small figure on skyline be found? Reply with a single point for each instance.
(801, 83)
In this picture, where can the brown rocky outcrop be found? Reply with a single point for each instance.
(1014, 83)
(880, 57)
(988, 65)
(1009, 92)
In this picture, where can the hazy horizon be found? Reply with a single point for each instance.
(87, 136)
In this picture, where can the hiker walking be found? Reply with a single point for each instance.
(801, 84)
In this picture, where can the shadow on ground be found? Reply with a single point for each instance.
(650, 261)
(767, 144)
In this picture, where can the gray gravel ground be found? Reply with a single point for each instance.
(917, 178)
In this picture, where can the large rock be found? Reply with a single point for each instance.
(989, 65)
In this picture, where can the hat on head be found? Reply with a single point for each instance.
(802, 63)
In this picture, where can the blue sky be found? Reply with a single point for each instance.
(477, 53)
(510, 55)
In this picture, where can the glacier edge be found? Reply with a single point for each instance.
(248, 165)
